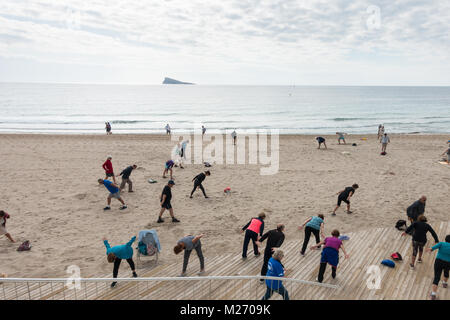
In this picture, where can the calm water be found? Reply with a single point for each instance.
(70, 108)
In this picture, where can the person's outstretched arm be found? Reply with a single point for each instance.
(246, 226)
(197, 238)
(321, 230)
(433, 233)
(106, 243)
(129, 243)
(345, 252)
(318, 245)
(304, 223)
(264, 237)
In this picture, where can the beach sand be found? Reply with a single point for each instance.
(49, 187)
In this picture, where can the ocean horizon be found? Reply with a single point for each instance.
(296, 109)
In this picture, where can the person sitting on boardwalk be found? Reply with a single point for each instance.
(275, 239)
(275, 269)
(3, 231)
(117, 253)
(253, 230)
(442, 263)
(313, 225)
(345, 195)
(108, 167)
(188, 243)
(321, 140)
(168, 168)
(126, 178)
(166, 197)
(341, 137)
(330, 254)
(416, 209)
(419, 238)
(114, 193)
(198, 179)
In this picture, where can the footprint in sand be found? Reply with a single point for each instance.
(81, 196)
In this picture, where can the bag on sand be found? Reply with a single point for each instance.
(388, 263)
(397, 256)
(24, 246)
(400, 225)
(383, 153)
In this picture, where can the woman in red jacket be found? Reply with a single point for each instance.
(109, 171)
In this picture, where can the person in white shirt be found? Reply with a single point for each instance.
(384, 142)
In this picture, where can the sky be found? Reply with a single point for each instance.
(226, 42)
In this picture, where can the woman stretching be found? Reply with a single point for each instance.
(313, 225)
(188, 243)
(330, 254)
(442, 263)
(419, 238)
(117, 253)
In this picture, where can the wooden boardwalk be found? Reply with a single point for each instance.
(366, 248)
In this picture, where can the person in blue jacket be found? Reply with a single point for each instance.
(117, 253)
(275, 269)
(441, 264)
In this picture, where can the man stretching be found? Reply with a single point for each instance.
(126, 178)
(345, 196)
(198, 179)
(114, 193)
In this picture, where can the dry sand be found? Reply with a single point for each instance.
(49, 187)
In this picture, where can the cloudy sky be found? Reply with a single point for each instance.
(276, 42)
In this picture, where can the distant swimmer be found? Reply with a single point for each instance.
(345, 196)
(384, 142)
(114, 193)
(198, 179)
(167, 129)
(321, 140)
(341, 137)
(168, 168)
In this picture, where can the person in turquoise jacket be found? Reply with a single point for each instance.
(117, 253)
(442, 263)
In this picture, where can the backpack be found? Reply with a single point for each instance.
(26, 246)
(400, 225)
(396, 256)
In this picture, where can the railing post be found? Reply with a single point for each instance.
(29, 294)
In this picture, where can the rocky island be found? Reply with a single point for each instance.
(173, 81)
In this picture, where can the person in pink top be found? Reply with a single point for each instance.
(109, 171)
(330, 254)
(253, 230)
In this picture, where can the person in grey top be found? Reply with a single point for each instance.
(188, 243)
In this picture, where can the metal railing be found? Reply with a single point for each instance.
(158, 288)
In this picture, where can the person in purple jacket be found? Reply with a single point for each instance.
(168, 168)
(330, 254)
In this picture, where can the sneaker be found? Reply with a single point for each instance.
(135, 274)
(201, 272)
(175, 220)
(190, 197)
(113, 284)
(183, 274)
(244, 258)
(160, 220)
(123, 207)
(130, 191)
(107, 208)
(261, 281)
(206, 197)
(257, 255)
(444, 285)
(433, 297)
(333, 214)
(302, 254)
(411, 265)
(419, 260)
(349, 212)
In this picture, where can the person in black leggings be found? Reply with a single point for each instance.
(419, 238)
(442, 263)
(313, 225)
(275, 239)
(117, 253)
(198, 179)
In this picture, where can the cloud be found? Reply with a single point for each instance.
(282, 34)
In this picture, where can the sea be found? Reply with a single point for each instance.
(146, 109)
